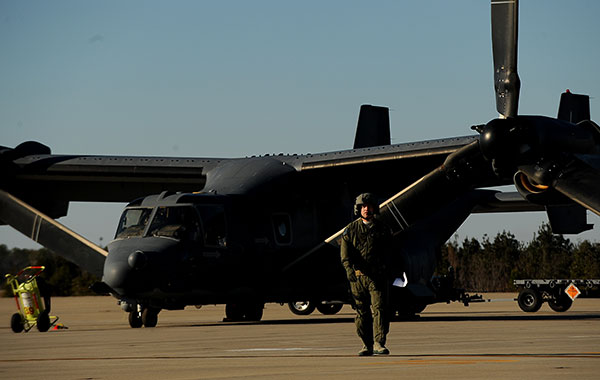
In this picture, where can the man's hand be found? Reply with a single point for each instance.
(351, 275)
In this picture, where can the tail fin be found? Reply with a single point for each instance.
(373, 127)
(570, 219)
(574, 107)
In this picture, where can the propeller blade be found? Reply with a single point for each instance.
(581, 183)
(51, 234)
(578, 181)
(504, 46)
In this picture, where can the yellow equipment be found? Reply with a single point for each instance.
(33, 306)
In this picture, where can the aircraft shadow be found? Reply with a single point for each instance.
(512, 317)
(422, 319)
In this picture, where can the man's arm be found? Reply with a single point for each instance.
(346, 248)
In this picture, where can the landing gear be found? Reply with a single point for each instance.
(329, 308)
(246, 311)
(135, 319)
(301, 307)
(148, 317)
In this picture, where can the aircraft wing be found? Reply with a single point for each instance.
(48, 181)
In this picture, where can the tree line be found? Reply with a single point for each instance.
(63, 277)
(489, 265)
(492, 264)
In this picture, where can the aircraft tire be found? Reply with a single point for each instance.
(244, 312)
(560, 304)
(529, 300)
(135, 320)
(16, 323)
(150, 317)
(329, 308)
(234, 312)
(301, 307)
(43, 321)
(253, 312)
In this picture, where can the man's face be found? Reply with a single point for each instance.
(367, 211)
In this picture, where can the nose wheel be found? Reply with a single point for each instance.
(148, 317)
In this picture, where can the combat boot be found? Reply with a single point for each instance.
(366, 351)
(380, 349)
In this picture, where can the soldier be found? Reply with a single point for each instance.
(365, 243)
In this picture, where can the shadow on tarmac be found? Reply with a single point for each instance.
(482, 317)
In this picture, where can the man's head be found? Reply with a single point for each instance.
(366, 206)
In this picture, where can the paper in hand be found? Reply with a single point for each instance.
(401, 283)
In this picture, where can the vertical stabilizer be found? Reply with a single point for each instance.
(574, 107)
(373, 127)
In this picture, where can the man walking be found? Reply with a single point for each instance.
(365, 244)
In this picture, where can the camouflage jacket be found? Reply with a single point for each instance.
(366, 247)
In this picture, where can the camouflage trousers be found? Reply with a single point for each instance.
(370, 298)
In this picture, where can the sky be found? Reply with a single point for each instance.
(236, 78)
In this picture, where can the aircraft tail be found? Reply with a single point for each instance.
(570, 219)
(373, 127)
(574, 107)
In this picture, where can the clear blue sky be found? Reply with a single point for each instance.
(236, 78)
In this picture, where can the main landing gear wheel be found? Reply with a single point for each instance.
(530, 300)
(560, 304)
(329, 308)
(301, 307)
(244, 311)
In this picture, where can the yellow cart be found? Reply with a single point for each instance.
(33, 306)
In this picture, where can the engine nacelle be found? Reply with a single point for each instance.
(536, 192)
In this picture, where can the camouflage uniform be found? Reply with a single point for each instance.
(364, 248)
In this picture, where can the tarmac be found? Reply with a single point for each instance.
(491, 340)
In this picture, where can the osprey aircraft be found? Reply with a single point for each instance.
(247, 231)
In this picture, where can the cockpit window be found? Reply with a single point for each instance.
(180, 223)
(215, 228)
(133, 222)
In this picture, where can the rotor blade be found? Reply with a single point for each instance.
(582, 184)
(51, 234)
(578, 181)
(504, 47)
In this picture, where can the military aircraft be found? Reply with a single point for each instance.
(247, 231)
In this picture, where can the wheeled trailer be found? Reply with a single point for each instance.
(559, 293)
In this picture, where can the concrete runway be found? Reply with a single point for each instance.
(493, 340)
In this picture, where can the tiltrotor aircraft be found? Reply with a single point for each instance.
(247, 231)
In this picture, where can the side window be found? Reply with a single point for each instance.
(215, 226)
(282, 226)
(175, 222)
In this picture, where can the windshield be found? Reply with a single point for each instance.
(179, 222)
(133, 222)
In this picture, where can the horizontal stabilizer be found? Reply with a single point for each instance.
(51, 234)
(373, 127)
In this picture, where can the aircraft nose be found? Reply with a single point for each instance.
(116, 274)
